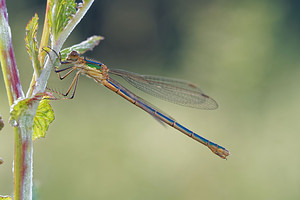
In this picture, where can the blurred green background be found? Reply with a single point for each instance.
(245, 54)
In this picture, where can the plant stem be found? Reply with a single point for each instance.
(23, 155)
(23, 137)
(45, 36)
(8, 63)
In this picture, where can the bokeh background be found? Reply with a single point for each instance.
(245, 54)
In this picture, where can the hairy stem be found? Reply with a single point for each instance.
(23, 147)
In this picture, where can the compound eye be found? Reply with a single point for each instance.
(73, 55)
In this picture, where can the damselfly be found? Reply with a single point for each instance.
(173, 90)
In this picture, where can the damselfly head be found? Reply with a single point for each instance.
(73, 56)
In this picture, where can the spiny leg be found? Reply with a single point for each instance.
(67, 74)
(59, 58)
(57, 71)
(74, 83)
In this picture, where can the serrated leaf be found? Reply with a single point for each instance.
(62, 11)
(43, 117)
(19, 106)
(31, 42)
(82, 47)
(5, 198)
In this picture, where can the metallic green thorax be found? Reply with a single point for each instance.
(93, 64)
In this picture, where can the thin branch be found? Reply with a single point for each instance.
(7, 57)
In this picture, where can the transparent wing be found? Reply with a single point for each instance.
(173, 90)
(143, 103)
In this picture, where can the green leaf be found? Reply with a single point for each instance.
(19, 107)
(82, 47)
(43, 117)
(62, 11)
(5, 198)
(32, 44)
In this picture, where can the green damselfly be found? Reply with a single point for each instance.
(173, 90)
